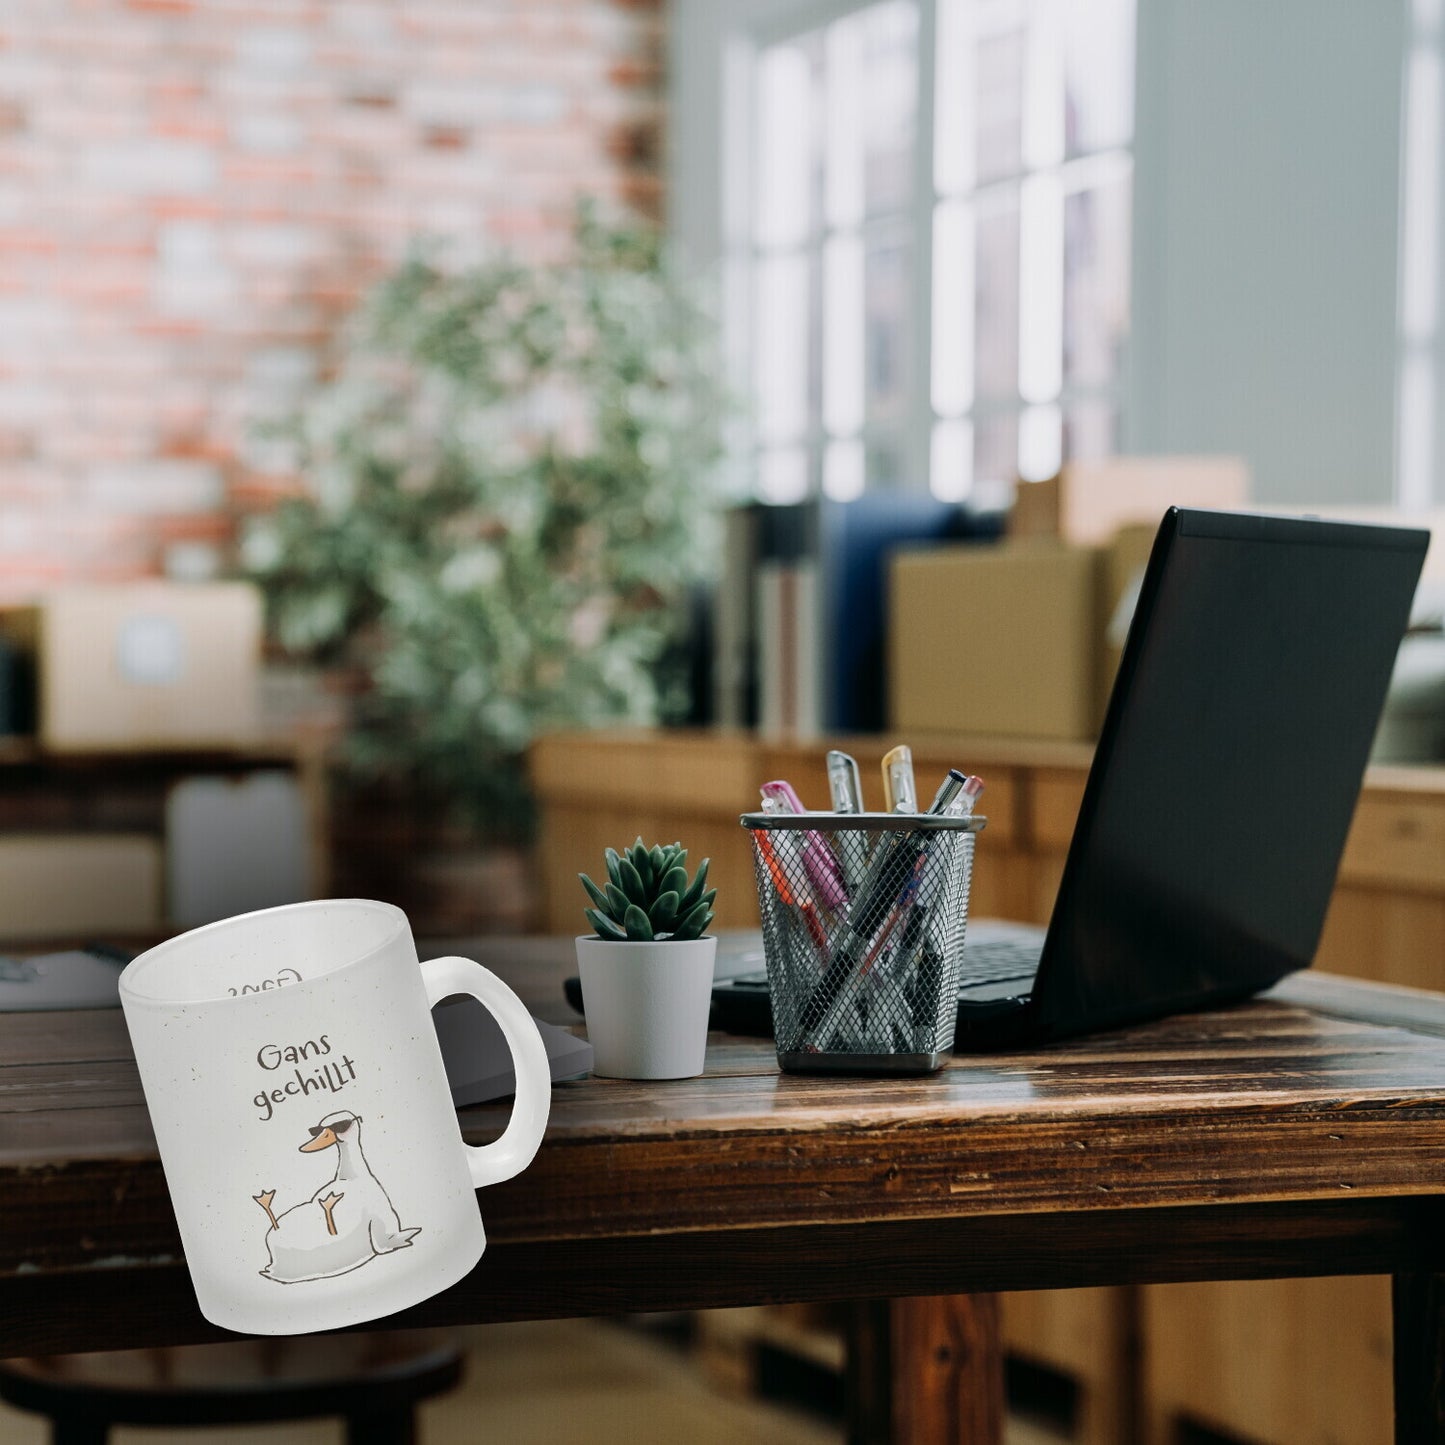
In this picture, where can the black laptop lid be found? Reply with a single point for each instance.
(1228, 764)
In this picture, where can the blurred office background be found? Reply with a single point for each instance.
(984, 238)
(857, 271)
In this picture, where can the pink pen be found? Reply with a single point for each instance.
(768, 851)
(784, 793)
(819, 862)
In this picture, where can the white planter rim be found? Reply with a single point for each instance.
(642, 942)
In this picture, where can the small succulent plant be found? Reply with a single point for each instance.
(647, 897)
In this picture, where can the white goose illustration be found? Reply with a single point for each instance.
(345, 1224)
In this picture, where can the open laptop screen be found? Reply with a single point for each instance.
(1229, 763)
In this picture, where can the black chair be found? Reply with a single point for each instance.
(373, 1382)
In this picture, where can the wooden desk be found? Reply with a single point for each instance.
(1300, 1135)
(1385, 923)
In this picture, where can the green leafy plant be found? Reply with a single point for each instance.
(505, 496)
(648, 898)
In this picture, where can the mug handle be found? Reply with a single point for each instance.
(509, 1155)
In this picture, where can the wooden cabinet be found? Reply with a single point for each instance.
(1281, 1362)
(1386, 920)
(602, 789)
(1285, 1377)
(85, 803)
(1387, 916)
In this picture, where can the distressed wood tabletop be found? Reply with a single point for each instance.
(1301, 1133)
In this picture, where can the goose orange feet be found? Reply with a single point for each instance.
(327, 1205)
(264, 1200)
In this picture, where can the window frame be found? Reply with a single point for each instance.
(712, 146)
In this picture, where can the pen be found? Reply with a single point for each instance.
(818, 860)
(898, 855)
(844, 784)
(953, 784)
(778, 798)
(906, 901)
(962, 806)
(815, 932)
(899, 794)
(850, 844)
(897, 852)
(930, 922)
(785, 795)
(927, 918)
(776, 869)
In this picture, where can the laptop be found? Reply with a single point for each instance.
(1222, 786)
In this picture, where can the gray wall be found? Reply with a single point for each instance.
(1266, 237)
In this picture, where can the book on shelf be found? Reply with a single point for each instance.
(801, 619)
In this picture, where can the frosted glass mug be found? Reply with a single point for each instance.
(303, 1115)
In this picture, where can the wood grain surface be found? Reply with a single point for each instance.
(1303, 1133)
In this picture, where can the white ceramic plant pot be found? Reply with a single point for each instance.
(647, 1006)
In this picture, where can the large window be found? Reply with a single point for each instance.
(930, 268)
(1418, 412)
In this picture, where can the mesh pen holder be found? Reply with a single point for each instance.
(863, 919)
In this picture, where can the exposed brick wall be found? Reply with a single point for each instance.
(194, 192)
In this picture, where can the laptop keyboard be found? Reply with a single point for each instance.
(999, 960)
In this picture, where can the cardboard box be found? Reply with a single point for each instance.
(1088, 502)
(995, 639)
(62, 886)
(1121, 571)
(143, 665)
